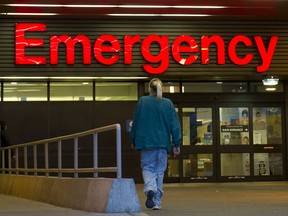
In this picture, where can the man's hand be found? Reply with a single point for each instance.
(176, 151)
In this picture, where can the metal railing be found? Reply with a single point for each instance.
(46, 142)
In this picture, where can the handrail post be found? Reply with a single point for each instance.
(95, 153)
(25, 160)
(35, 159)
(3, 160)
(76, 156)
(59, 158)
(118, 143)
(9, 161)
(46, 149)
(17, 160)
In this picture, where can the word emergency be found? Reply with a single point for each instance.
(107, 49)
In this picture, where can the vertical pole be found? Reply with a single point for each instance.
(25, 160)
(9, 161)
(17, 160)
(3, 161)
(118, 142)
(76, 156)
(95, 153)
(46, 159)
(35, 159)
(59, 158)
(1, 154)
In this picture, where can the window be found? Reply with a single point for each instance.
(198, 165)
(268, 164)
(234, 126)
(235, 164)
(259, 87)
(168, 87)
(267, 125)
(116, 91)
(235, 87)
(71, 91)
(197, 126)
(25, 91)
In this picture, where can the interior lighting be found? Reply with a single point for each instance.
(270, 81)
(131, 14)
(270, 89)
(144, 6)
(185, 15)
(117, 6)
(30, 14)
(164, 15)
(74, 78)
(198, 7)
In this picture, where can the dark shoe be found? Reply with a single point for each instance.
(149, 202)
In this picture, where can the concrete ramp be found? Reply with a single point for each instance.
(104, 195)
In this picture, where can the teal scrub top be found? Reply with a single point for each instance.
(155, 124)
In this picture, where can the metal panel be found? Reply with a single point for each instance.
(172, 28)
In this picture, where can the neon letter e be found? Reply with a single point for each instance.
(21, 42)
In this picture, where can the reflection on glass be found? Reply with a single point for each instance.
(198, 165)
(71, 91)
(173, 168)
(234, 126)
(235, 164)
(235, 87)
(197, 126)
(168, 87)
(259, 87)
(116, 91)
(268, 164)
(267, 125)
(25, 91)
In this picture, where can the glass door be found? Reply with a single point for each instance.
(196, 162)
(268, 155)
(251, 143)
(234, 149)
(197, 132)
(229, 142)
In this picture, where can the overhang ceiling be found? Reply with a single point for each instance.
(178, 9)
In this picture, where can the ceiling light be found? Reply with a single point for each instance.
(199, 7)
(144, 6)
(115, 6)
(270, 81)
(131, 14)
(185, 15)
(29, 14)
(34, 5)
(165, 15)
(270, 89)
(74, 78)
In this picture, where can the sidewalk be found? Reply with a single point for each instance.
(13, 206)
(193, 199)
(223, 199)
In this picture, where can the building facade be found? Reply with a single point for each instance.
(90, 73)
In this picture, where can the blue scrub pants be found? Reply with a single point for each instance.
(154, 164)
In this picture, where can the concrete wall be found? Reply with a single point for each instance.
(88, 194)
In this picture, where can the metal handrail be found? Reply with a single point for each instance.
(95, 169)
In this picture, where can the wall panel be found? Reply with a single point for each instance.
(119, 28)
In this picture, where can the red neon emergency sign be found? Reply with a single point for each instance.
(184, 44)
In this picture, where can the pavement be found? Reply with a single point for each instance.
(188, 199)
